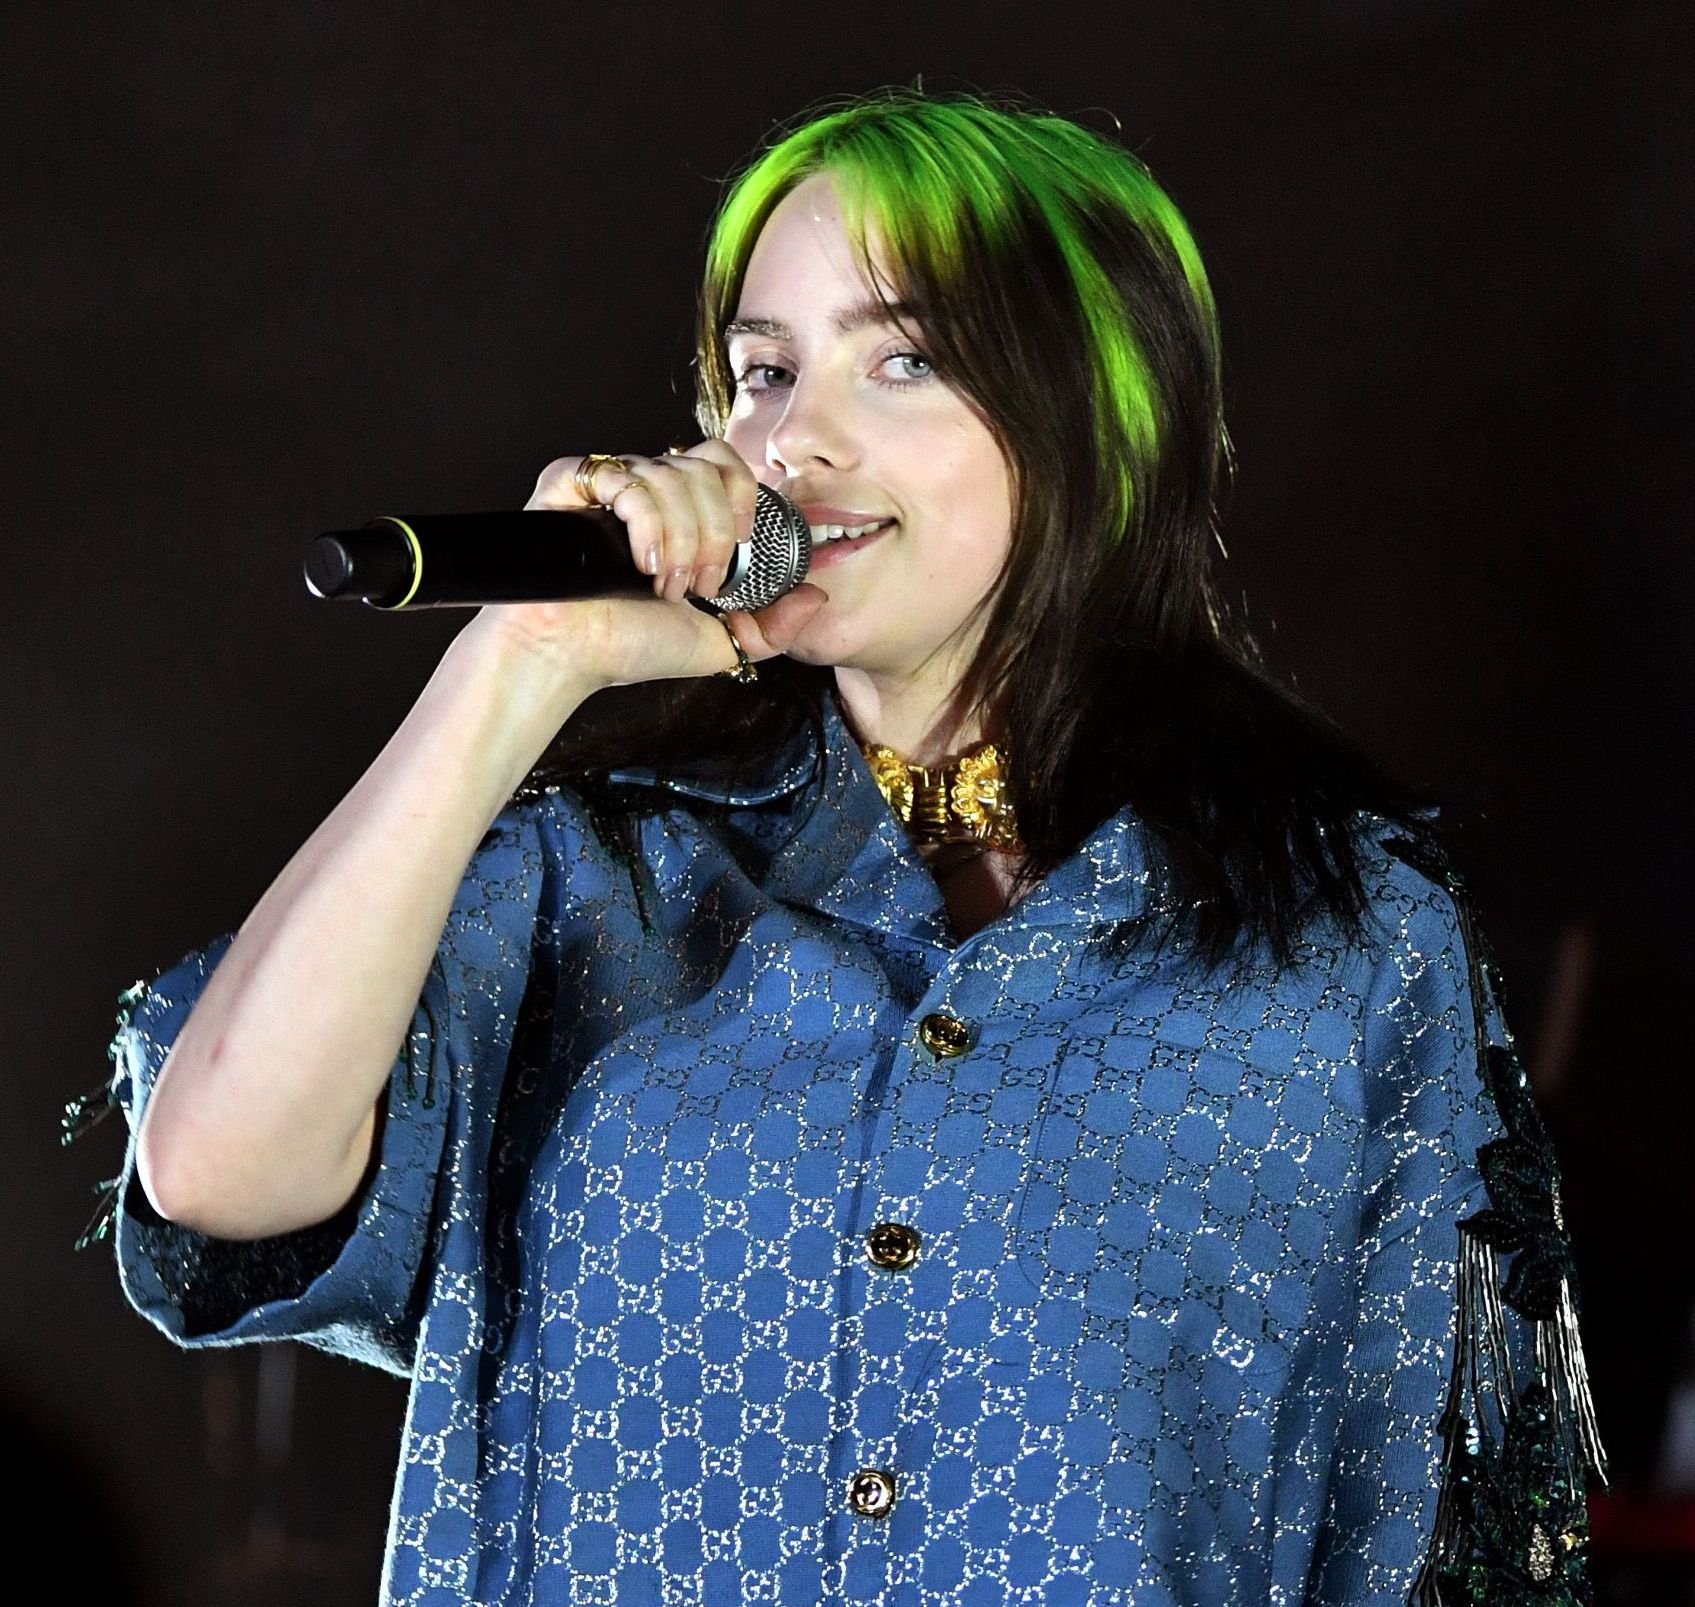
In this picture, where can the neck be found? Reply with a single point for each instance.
(923, 724)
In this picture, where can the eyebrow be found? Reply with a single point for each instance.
(845, 322)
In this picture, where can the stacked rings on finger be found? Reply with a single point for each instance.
(746, 672)
(583, 478)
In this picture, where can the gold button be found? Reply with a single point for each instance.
(944, 1035)
(892, 1244)
(871, 1492)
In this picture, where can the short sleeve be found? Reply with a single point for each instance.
(345, 1285)
(1466, 1429)
(354, 1285)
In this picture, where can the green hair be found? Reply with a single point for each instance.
(949, 182)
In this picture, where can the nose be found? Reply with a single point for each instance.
(813, 428)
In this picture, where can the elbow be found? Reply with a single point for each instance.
(160, 1178)
(163, 1160)
(210, 1199)
(175, 1195)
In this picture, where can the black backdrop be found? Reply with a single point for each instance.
(271, 268)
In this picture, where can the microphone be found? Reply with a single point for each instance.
(539, 555)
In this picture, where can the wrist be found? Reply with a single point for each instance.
(512, 698)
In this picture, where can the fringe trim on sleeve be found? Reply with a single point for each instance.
(86, 1112)
(1512, 1522)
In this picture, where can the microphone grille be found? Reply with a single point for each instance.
(779, 556)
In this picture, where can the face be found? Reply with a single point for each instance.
(850, 413)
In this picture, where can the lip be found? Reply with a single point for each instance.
(828, 553)
(821, 513)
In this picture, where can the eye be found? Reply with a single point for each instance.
(753, 381)
(904, 357)
(744, 379)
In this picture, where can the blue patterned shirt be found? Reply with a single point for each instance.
(748, 1236)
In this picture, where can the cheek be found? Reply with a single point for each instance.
(962, 556)
(744, 434)
(977, 509)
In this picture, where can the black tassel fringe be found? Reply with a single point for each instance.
(1512, 1521)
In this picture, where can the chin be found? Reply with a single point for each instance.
(824, 642)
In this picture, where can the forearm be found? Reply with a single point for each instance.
(262, 1117)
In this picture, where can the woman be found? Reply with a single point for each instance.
(954, 1086)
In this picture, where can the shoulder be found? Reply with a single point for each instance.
(1419, 905)
(1431, 1006)
(1409, 910)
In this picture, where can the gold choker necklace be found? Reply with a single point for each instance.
(961, 801)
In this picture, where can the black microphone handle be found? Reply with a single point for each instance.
(539, 555)
(446, 560)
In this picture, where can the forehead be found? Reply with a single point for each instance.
(803, 267)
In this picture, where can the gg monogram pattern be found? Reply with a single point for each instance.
(1159, 1308)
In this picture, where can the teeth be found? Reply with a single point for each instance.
(841, 532)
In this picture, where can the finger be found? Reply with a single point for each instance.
(696, 477)
(643, 518)
(725, 490)
(671, 483)
(739, 627)
(740, 492)
(771, 630)
(556, 485)
(715, 520)
(678, 533)
(640, 513)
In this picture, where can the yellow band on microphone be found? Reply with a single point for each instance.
(417, 558)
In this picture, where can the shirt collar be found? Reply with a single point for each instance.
(768, 779)
(850, 857)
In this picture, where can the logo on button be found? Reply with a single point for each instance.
(944, 1035)
(893, 1245)
(871, 1492)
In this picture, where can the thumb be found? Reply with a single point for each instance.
(771, 630)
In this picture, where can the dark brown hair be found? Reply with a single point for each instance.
(1061, 293)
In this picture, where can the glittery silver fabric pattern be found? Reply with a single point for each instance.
(1180, 1321)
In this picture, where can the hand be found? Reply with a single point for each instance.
(685, 513)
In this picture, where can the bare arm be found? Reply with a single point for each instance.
(263, 1115)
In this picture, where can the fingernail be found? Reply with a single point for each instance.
(680, 578)
(651, 562)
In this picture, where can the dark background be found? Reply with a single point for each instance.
(272, 268)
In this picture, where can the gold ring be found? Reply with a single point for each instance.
(583, 477)
(746, 671)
